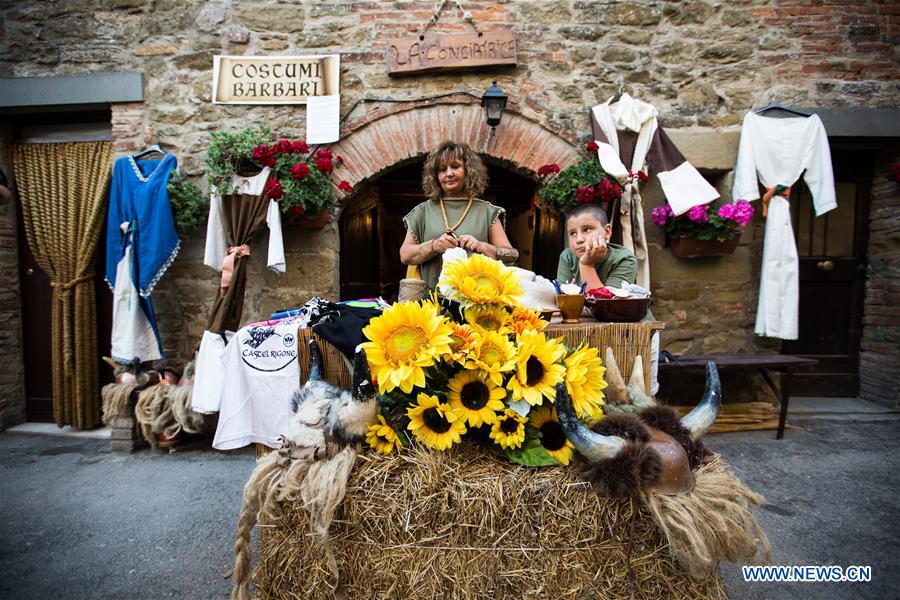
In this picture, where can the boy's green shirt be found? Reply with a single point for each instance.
(619, 266)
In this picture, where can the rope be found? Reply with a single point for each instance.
(467, 16)
(62, 188)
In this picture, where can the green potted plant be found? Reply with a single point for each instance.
(705, 230)
(189, 204)
(581, 183)
(229, 152)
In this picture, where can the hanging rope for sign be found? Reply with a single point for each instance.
(467, 16)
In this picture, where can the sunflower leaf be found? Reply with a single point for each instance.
(530, 454)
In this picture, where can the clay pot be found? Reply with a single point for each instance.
(685, 247)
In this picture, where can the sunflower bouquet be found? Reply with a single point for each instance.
(485, 372)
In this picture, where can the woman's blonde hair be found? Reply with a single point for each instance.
(476, 176)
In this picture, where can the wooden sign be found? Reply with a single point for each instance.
(274, 79)
(450, 52)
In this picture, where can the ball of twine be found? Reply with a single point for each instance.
(411, 290)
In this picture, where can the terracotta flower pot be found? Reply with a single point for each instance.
(316, 221)
(685, 247)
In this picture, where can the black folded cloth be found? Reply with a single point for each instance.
(342, 325)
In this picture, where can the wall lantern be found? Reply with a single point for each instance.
(493, 101)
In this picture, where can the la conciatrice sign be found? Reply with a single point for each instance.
(447, 52)
(274, 79)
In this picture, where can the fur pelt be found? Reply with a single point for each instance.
(711, 523)
(666, 420)
(625, 475)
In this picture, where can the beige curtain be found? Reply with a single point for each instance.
(63, 190)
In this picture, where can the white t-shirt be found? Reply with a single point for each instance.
(261, 375)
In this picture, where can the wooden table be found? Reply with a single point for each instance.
(627, 340)
(783, 363)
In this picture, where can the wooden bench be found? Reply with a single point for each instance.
(783, 363)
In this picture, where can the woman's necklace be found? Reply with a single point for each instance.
(447, 228)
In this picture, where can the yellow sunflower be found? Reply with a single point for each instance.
(431, 302)
(538, 368)
(434, 423)
(382, 437)
(481, 280)
(585, 382)
(405, 339)
(552, 436)
(494, 354)
(474, 397)
(526, 319)
(462, 340)
(488, 318)
(509, 429)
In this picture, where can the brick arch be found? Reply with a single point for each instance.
(378, 142)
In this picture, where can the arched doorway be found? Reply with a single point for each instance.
(384, 151)
(371, 228)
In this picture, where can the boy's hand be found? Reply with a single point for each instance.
(595, 251)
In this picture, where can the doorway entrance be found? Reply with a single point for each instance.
(832, 250)
(372, 228)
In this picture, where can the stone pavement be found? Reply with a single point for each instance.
(77, 521)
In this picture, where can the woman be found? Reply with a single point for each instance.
(453, 216)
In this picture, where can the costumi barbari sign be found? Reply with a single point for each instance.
(444, 52)
(274, 79)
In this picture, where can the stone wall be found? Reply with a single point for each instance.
(701, 63)
(12, 378)
(879, 359)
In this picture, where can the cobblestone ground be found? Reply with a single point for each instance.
(80, 522)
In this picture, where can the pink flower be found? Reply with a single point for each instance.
(660, 215)
(273, 190)
(698, 214)
(726, 211)
(323, 163)
(743, 213)
(345, 187)
(300, 171)
(299, 147)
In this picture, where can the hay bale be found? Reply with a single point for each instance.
(464, 524)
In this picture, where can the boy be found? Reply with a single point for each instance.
(591, 258)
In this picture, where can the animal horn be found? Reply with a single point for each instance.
(316, 371)
(361, 384)
(704, 414)
(593, 446)
(615, 392)
(636, 386)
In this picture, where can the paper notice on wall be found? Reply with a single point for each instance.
(323, 115)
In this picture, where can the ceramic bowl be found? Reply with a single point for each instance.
(570, 305)
(628, 310)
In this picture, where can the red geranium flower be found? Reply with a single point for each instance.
(296, 211)
(324, 164)
(339, 159)
(324, 153)
(283, 147)
(893, 173)
(592, 146)
(642, 177)
(609, 191)
(273, 190)
(300, 171)
(548, 169)
(299, 147)
(264, 155)
(345, 187)
(584, 194)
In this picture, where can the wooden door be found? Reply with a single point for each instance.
(832, 250)
(36, 297)
(359, 254)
